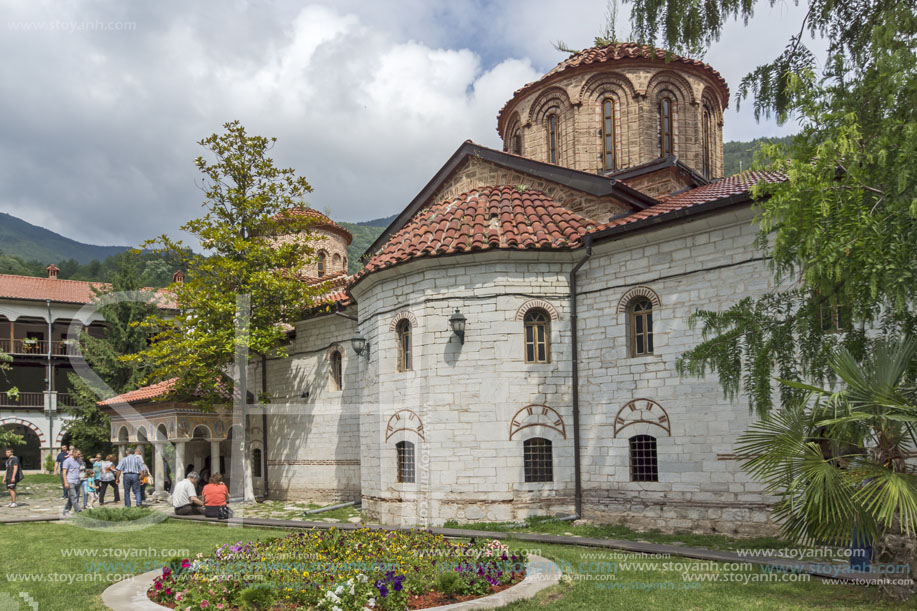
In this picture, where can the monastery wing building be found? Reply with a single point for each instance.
(508, 348)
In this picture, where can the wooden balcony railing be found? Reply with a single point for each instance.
(23, 399)
(39, 347)
(65, 400)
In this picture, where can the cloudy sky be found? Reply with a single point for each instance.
(102, 102)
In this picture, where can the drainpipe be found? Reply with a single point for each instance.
(50, 387)
(577, 471)
(264, 469)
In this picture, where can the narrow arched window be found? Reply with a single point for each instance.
(644, 466)
(707, 135)
(641, 327)
(337, 370)
(608, 134)
(538, 460)
(403, 335)
(666, 130)
(517, 142)
(256, 462)
(537, 336)
(321, 263)
(405, 454)
(552, 138)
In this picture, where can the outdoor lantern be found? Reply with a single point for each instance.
(360, 345)
(457, 322)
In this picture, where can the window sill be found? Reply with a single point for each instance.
(534, 486)
(644, 358)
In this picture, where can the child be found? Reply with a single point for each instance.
(90, 492)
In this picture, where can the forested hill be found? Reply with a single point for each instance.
(32, 242)
(740, 155)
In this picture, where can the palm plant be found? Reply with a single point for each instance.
(835, 459)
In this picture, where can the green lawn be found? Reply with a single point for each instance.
(642, 583)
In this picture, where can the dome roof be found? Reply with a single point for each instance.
(322, 221)
(486, 218)
(616, 52)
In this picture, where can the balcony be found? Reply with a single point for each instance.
(39, 347)
(37, 400)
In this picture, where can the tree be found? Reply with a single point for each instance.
(125, 335)
(252, 209)
(839, 460)
(7, 437)
(841, 231)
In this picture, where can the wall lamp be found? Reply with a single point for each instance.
(457, 322)
(360, 345)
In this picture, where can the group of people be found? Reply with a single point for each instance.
(92, 479)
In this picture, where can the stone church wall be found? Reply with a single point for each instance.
(313, 441)
(707, 264)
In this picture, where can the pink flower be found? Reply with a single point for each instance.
(221, 606)
(204, 604)
(168, 592)
(185, 563)
(157, 586)
(179, 596)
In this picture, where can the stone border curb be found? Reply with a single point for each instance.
(541, 573)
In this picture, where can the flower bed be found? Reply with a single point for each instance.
(340, 571)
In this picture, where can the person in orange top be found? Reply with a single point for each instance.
(215, 496)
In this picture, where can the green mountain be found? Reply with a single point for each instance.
(34, 243)
(363, 237)
(740, 155)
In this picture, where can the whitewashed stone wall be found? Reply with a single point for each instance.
(706, 264)
(465, 395)
(313, 442)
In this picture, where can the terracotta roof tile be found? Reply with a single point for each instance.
(726, 187)
(611, 53)
(321, 220)
(63, 291)
(143, 394)
(487, 218)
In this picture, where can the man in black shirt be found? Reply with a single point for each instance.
(13, 475)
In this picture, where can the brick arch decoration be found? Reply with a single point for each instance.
(26, 424)
(536, 303)
(514, 123)
(599, 84)
(642, 411)
(403, 315)
(667, 79)
(335, 348)
(549, 98)
(404, 420)
(537, 415)
(639, 291)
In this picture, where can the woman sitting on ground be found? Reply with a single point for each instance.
(215, 496)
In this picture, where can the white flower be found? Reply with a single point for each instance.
(338, 590)
(336, 608)
(331, 596)
(362, 578)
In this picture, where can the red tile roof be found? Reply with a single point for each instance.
(321, 220)
(143, 394)
(487, 218)
(62, 291)
(611, 53)
(726, 187)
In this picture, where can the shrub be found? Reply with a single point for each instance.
(449, 584)
(115, 514)
(49, 464)
(257, 597)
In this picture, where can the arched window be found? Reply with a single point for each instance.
(516, 142)
(256, 462)
(644, 466)
(336, 263)
(538, 460)
(666, 129)
(707, 135)
(552, 138)
(403, 334)
(405, 453)
(337, 371)
(641, 327)
(321, 263)
(608, 134)
(537, 333)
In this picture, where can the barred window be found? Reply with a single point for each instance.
(641, 327)
(537, 325)
(256, 462)
(833, 317)
(643, 460)
(538, 460)
(517, 142)
(552, 138)
(403, 333)
(666, 130)
(337, 370)
(608, 134)
(405, 452)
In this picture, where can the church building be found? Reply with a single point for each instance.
(508, 347)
